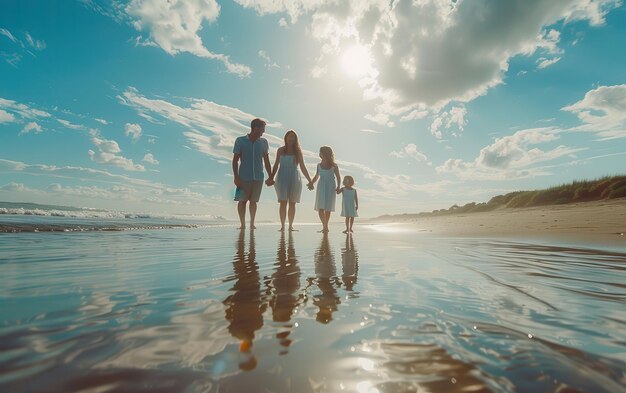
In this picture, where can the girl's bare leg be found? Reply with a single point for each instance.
(347, 225)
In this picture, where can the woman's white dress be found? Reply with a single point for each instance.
(288, 184)
(348, 205)
(326, 189)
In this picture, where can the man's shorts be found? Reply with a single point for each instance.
(249, 191)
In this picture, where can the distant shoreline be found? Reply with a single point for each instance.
(593, 222)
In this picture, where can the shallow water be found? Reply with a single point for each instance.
(218, 310)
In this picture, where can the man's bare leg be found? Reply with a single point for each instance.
(241, 209)
(252, 214)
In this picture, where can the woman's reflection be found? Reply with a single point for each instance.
(349, 264)
(283, 286)
(327, 281)
(244, 308)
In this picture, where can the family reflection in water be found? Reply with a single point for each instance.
(282, 292)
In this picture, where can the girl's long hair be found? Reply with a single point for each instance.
(327, 152)
(298, 150)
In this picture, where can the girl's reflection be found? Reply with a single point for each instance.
(349, 264)
(327, 281)
(244, 308)
(283, 286)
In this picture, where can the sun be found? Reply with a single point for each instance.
(356, 61)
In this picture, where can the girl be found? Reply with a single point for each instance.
(288, 184)
(350, 203)
(327, 172)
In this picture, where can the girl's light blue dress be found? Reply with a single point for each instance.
(326, 189)
(288, 184)
(348, 206)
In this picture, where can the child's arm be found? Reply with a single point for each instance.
(317, 175)
(339, 191)
(338, 176)
(356, 199)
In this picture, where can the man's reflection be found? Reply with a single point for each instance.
(284, 285)
(325, 273)
(244, 308)
(349, 264)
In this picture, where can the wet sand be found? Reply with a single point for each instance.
(601, 222)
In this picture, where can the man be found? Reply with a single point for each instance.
(253, 151)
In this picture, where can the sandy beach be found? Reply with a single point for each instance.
(602, 222)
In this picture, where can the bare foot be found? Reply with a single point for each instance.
(252, 228)
(292, 230)
(346, 231)
(242, 228)
(282, 229)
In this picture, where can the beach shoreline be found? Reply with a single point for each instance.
(599, 222)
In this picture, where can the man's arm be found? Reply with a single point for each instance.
(236, 158)
(268, 168)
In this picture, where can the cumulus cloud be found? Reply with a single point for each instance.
(133, 131)
(603, 111)
(511, 157)
(454, 120)
(269, 63)
(433, 52)
(149, 158)
(411, 151)
(6, 117)
(31, 127)
(174, 26)
(212, 128)
(22, 110)
(108, 153)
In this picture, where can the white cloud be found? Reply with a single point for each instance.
(603, 111)
(133, 130)
(542, 62)
(32, 126)
(174, 26)
(108, 153)
(21, 47)
(72, 126)
(6, 117)
(269, 63)
(35, 44)
(8, 34)
(22, 110)
(102, 121)
(411, 151)
(212, 128)
(149, 158)
(283, 23)
(370, 131)
(454, 120)
(511, 157)
(433, 52)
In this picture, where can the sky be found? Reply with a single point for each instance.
(134, 105)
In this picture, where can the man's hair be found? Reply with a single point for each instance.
(256, 123)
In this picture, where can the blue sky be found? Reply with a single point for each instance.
(134, 105)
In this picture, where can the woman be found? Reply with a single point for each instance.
(288, 184)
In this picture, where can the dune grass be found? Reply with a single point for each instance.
(608, 187)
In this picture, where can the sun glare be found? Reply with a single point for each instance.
(356, 61)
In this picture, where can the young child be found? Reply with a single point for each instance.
(327, 172)
(350, 203)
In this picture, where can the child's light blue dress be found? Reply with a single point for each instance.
(348, 206)
(288, 184)
(326, 189)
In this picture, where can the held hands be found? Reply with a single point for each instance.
(269, 182)
(338, 190)
(310, 186)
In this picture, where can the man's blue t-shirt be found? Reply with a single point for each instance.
(251, 166)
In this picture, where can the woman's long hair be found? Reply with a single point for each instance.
(298, 151)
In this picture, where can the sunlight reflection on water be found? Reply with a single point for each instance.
(384, 310)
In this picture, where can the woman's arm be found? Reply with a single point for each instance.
(275, 168)
(338, 176)
(356, 199)
(303, 167)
